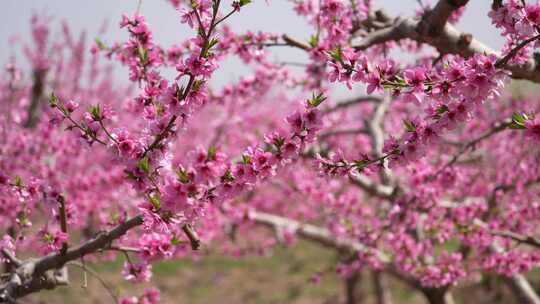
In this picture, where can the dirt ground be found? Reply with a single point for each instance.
(283, 277)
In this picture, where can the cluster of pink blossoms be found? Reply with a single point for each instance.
(519, 21)
(428, 173)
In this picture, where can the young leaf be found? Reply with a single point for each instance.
(53, 100)
(95, 111)
(155, 201)
(315, 101)
(144, 165)
(211, 153)
(409, 125)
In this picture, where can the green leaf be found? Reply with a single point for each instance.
(336, 54)
(361, 164)
(53, 100)
(23, 218)
(246, 159)
(144, 165)
(48, 238)
(315, 101)
(244, 2)
(100, 44)
(95, 111)
(155, 201)
(409, 125)
(442, 109)
(143, 54)
(314, 41)
(211, 153)
(518, 121)
(130, 175)
(175, 241)
(514, 125)
(182, 175)
(209, 45)
(18, 182)
(279, 141)
(227, 177)
(197, 84)
(519, 118)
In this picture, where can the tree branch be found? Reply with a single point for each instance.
(352, 102)
(448, 41)
(371, 187)
(37, 94)
(49, 272)
(308, 232)
(433, 21)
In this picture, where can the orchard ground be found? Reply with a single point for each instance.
(282, 276)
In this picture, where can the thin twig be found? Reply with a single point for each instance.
(96, 275)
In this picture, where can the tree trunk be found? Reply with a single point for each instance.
(438, 295)
(521, 288)
(384, 296)
(351, 289)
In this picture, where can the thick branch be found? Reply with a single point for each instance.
(101, 241)
(49, 271)
(372, 187)
(522, 289)
(308, 231)
(37, 95)
(352, 102)
(292, 42)
(519, 284)
(375, 127)
(433, 22)
(520, 238)
(382, 290)
(448, 41)
(498, 127)
(339, 132)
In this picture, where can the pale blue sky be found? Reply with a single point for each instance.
(276, 17)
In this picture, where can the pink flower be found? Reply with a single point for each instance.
(155, 245)
(533, 129)
(296, 121)
(415, 78)
(52, 241)
(71, 105)
(374, 83)
(150, 296)
(137, 273)
(6, 244)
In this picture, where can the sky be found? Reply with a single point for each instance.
(273, 16)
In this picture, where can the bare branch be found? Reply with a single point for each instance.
(382, 291)
(448, 41)
(371, 187)
(37, 95)
(498, 127)
(519, 284)
(49, 272)
(292, 42)
(352, 102)
(433, 22)
(192, 236)
(522, 289)
(13, 260)
(63, 220)
(339, 132)
(309, 232)
(96, 275)
(520, 238)
(375, 127)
